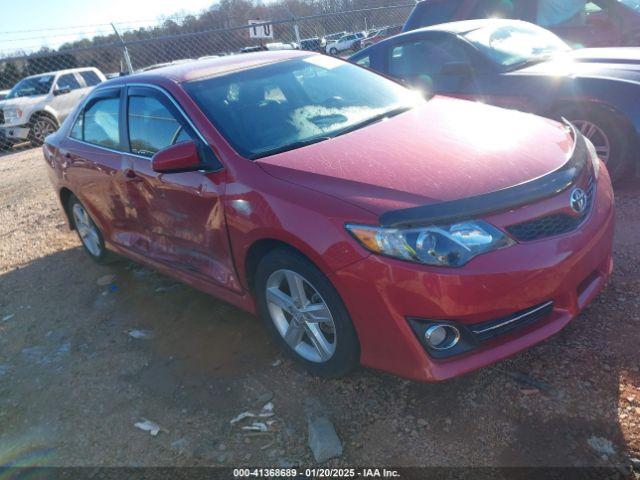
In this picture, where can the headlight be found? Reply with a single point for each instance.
(442, 245)
(12, 115)
(595, 159)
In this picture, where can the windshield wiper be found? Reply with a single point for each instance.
(370, 121)
(288, 147)
(311, 141)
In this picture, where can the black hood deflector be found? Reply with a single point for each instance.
(508, 198)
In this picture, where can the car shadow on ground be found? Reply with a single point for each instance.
(73, 372)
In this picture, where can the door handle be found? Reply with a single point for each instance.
(131, 176)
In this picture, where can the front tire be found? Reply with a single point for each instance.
(333, 51)
(605, 131)
(41, 127)
(88, 232)
(305, 314)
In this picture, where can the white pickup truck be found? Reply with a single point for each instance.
(37, 105)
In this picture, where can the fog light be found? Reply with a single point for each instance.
(442, 337)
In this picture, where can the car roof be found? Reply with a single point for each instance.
(466, 26)
(62, 72)
(211, 67)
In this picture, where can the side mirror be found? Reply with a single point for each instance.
(182, 157)
(62, 91)
(457, 68)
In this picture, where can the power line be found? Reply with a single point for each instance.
(157, 20)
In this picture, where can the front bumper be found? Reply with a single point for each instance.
(19, 132)
(569, 270)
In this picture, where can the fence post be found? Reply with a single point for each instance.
(125, 51)
(296, 31)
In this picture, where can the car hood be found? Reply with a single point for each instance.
(444, 150)
(22, 102)
(622, 63)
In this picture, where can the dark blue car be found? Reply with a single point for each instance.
(519, 65)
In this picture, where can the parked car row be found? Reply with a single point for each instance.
(364, 222)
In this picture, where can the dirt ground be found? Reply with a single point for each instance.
(73, 382)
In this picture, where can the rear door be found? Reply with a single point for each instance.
(182, 212)
(92, 158)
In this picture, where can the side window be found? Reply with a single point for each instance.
(101, 123)
(76, 130)
(364, 61)
(69, 81)
(91, 78)
(152, 127)
(421, 60)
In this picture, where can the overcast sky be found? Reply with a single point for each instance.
(73, 19)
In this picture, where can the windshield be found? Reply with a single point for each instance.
(32, 87)
(633, 4)
(289, 104)
(516, 44)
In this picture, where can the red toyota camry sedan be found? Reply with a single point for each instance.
(364, 224)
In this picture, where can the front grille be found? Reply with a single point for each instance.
(492, 328)
(552, 225)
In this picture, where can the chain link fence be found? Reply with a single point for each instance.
(188, 40)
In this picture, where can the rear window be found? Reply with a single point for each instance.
(432, 12)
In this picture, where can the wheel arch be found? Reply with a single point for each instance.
(630, 129)
(65, 194)
(261, 247)
(44, 113)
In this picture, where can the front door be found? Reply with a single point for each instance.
(182, 212)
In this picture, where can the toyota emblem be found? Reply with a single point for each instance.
(578, 200)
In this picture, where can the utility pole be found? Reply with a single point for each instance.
(125, 51)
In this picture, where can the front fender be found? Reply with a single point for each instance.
(309, 221)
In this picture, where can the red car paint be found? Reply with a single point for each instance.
(201, 227)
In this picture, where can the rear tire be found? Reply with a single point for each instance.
(606, 132)
(314, 328)
(88, 232)
(333, 51)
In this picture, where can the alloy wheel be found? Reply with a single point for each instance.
(597, 136)
(42, 128)
(87, 230)
(301, 316)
